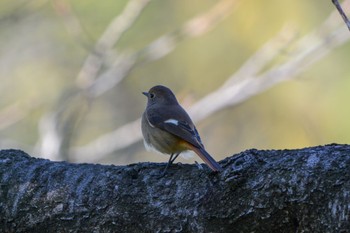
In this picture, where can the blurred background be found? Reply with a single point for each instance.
(251, 74)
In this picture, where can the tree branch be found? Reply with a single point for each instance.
(341, 12)
(104, 46)
(16, 112)
(305, 190)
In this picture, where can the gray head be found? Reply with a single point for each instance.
(161, 95)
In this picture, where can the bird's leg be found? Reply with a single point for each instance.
(171, 160)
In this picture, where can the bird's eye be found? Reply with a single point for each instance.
(151, 95)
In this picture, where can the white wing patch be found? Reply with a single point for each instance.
(172, 121)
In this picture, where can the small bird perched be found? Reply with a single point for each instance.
(167, 128)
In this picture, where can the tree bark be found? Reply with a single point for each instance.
(305, 190)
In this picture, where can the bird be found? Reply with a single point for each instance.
(168, 129)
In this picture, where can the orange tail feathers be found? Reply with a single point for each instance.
(210, 161)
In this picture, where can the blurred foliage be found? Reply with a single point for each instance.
(42, 52)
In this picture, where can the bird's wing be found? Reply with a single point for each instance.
(183, 128)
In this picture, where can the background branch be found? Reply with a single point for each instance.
(17, 111)
(104, 46)
(341, 12)
(54, 131)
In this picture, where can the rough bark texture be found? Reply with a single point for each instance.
(306, 190)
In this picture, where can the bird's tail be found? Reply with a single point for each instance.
(206, 157)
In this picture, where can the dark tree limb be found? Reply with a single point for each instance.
(341, 12)
(306, 190)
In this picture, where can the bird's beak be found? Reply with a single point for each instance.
(145, 93)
